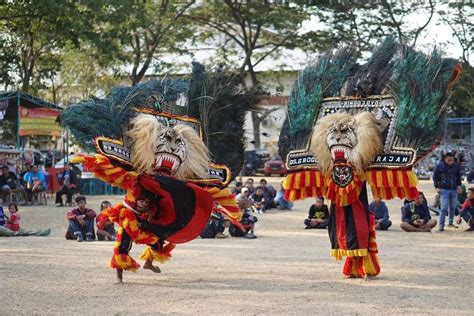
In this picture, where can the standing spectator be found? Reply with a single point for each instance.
(447, 180)
(68, 181)
(35, 182)
(283, 204)
(81, 221)
(416, 216)
(9, 184)
(105, 227)
(380, 210)
(318, 215)
(258, 200)
(238, 188)
(467, 210)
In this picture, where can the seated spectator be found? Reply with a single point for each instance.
(269, 193)
(81, 221)
(318, 216)
(248, 222)
(9, 184)
(238, 188)
(283, 204)
(2, 216)
(35, 182)
(467, 210)
(258, 200)
(380, 210)
(105, 227)
(68, 182)
(416, 216)
(215, 227)
(10, 226)
(249, 185)
(243, 199)
(13, 221)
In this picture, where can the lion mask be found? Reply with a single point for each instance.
(342, 137)
(176, 151)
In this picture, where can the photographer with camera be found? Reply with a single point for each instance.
(416, 216)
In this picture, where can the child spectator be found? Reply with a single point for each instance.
(416, 216)
(318, 215)
(105, 227)
(283, 204)
(249, 185)
(380, 210)
(215, 227)
(238, 188)
(467, 210)
(248, 222)
(13, 222)
(269, 194)
(258, 200)
(243, 199)
(81, 221)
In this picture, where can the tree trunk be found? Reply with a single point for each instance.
(256, 129)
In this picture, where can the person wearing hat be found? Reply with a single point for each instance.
(68, 181)
(81, 221)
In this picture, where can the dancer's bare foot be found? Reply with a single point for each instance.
(148, 265)
(368, 278)
(119, 279)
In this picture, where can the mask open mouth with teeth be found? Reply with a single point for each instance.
(340, 153)
(170, 152)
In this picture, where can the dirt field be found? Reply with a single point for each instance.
(287, 270)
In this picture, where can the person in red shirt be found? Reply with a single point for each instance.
(81, 221)
(467, 210)
(105, 227)
(13, 222)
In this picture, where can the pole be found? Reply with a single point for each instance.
(472, 141)
(18, 138)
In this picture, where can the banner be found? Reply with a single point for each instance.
(3, 108)
(39, 121)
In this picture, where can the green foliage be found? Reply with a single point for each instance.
(32, 34)
(216, 100)
(462, 101)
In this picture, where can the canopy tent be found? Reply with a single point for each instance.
(36, 113)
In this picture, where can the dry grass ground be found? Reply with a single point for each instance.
(287, 270)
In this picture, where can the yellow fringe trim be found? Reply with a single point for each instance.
(339, 253)
(149, 253)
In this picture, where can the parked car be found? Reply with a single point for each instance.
(255, 161)
(275, 166)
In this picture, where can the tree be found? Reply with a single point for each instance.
(459, 17)
(33, 32)
(256, 29)
(141, 30)
(366, 22)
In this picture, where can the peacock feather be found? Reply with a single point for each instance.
(323, 78)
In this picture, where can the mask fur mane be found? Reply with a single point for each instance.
(369, 140)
